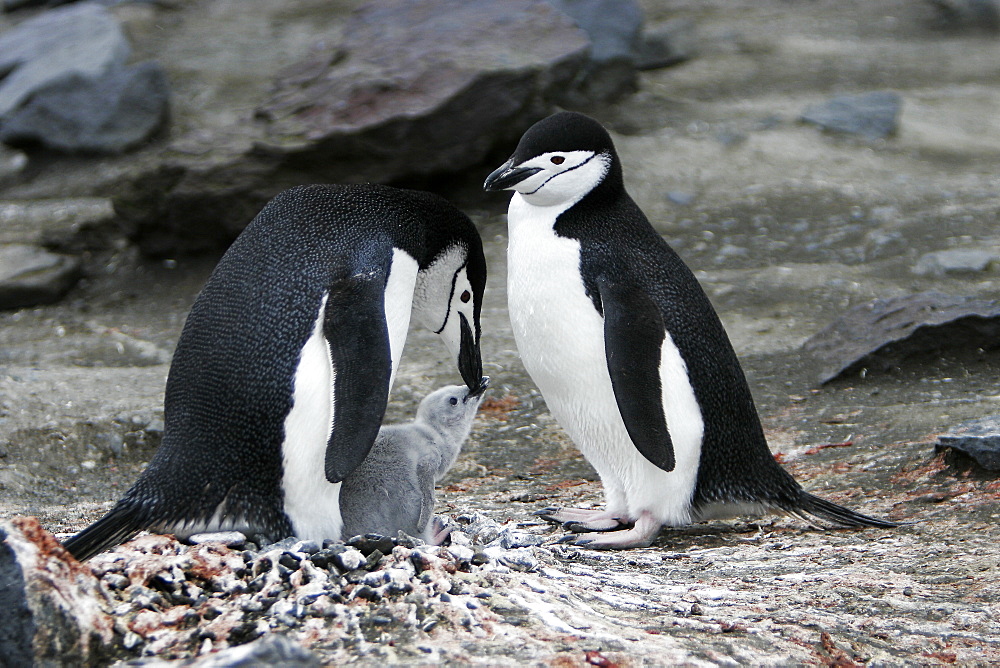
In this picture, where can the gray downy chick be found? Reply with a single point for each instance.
(393, 488)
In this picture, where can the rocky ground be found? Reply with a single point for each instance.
(787, 227)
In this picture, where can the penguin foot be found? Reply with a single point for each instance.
(640, 535)
(609, 524)
(601, 519)
(438, 532)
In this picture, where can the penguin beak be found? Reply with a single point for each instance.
(507, 176)
(484, 382)
(470, 363)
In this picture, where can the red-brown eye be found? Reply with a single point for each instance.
(557, 160)
(465, 297)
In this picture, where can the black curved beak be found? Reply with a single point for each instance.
(506, 176)
(470, 363)
(484, 382)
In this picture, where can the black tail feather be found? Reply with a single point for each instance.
(116, 527)
(812, 508)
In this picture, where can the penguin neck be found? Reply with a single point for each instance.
(577, 217)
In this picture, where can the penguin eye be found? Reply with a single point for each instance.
(465, 297)
(557, 159)
(453, 401)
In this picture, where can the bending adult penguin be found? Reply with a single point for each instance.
(282, 372)
(628, 352)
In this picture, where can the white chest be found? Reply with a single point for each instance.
(560, 337)
(558, 331)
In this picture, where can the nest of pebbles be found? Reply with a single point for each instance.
(172, 600)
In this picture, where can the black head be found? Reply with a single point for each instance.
(559, 158)
(448, 297)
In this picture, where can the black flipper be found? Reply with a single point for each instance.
(633, 335)
(813, 507)
(356, 332)
(117, 526)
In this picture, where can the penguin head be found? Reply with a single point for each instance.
(559, 160)
(452, 407)
(448, 299)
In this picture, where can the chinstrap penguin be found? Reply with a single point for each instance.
(282, 372)
(628, 352)
(393, 488)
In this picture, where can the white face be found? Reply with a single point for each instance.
(443, 291)
(563, 177)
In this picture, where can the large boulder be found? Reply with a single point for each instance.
(415, 88)
(53, 610)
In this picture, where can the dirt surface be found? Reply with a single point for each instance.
(786, 227)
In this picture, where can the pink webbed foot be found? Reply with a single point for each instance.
(579, 520)
(438, 532)
(640, 535)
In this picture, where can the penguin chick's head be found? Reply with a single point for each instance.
(448, 300)
(558, 160)
(452, 408)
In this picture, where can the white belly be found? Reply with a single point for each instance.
(312, 503)
(560, 337)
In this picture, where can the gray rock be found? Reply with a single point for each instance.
(669, 44)
(30, 275)
(271, 650)
(70, 225)
(979, 439)
(957, 261)
(870, 115)
(613, 26)
(969, 14)
(53, 608)
(12, 163)
(82, 39)
(112, 112)
(882, 333)
(417, 87)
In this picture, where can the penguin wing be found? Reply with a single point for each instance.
(633, 337)
(358, 338)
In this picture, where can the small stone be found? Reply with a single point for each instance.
(290, 560)
(370, 543)
(669, 44)
(870, 115)
(30, 276)
(957, 261)
(680, 198)
(367, 593)
(979, 439)
(232, 539)
(306, 547)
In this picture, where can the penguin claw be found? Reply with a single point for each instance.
(545, 511)
(613, 524)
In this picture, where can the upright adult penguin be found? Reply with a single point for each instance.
(628, 352)
(282, 372)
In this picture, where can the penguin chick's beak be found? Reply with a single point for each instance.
(507, 176)
(475, 393)
(470, 364)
